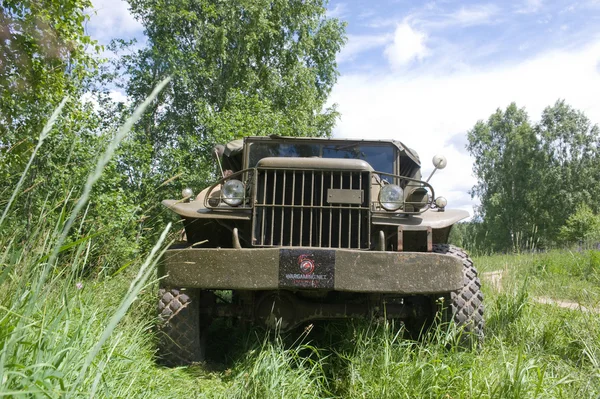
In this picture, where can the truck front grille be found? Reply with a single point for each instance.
(291, 208)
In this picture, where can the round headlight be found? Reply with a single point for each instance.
(391, 197)
(187, 193)
(441, 202)
(233, 192)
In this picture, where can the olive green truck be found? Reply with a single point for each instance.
(302, 229)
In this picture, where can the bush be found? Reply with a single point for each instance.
(582, 226)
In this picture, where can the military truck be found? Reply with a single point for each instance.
(302, 229)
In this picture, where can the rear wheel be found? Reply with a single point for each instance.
(466, 304)
(182, 337)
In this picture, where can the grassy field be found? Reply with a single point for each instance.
(67, 335)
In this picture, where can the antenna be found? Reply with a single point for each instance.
(218, 152)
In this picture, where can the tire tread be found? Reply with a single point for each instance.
(466, 304)
(179, 327)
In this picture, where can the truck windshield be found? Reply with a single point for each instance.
(381, 157)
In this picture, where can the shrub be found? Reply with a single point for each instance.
(581, 226)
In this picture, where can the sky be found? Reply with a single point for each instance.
(425, 73)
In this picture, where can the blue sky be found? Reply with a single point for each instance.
(424, 73)
(452, 35)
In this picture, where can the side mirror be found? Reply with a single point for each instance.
(439, 162)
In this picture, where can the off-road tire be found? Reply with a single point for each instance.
(182, 339)
(466, 304)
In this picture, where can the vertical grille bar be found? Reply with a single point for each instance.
(283, 208)
(321, 210)
(350, 219)
(293, 209)
(330, 213)
(340, 214)
(359, 213)
(302, 209)
(273, 206)
(312, 196)
(263, 210)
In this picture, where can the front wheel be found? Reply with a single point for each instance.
(182, 337)
(466, 304)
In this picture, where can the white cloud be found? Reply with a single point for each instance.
(427, 111)
(115, 95)
(119, 97)
(470, 16)
(433, 19)
(112, 19)
(530, 6)
(339, 11)
(477, 15)
(379, 22)
(358, 43)
(408, 45)
(88, 97)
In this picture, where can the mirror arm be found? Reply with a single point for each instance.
(432, 172)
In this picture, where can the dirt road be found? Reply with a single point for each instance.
(495, 280)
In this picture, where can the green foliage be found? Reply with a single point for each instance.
(244, 68)
(505, 151)
(62, 165)
(46, 344)
(43, 57)
(508, 307)
(470, 236)
(40, 353)
(571, 154)
(274, 370)
(566, 275)
(531, 178)
(239, 68)
(577, 273)
(582, 226)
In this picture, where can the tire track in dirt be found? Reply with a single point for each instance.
(494, 278)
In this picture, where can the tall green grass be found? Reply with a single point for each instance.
(572, 275)
(52, 342)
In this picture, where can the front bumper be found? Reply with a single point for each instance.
(312, 268)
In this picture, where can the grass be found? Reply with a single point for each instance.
(65, 334)
(565, 275)
(531, 350)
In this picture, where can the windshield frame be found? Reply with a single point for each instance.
(249, 141)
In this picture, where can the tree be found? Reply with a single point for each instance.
(42, 58)
(242, 67)
(45, 55)
(506, 151)
(571, 155)
(532, 179)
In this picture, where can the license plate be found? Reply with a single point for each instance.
(306, 268)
